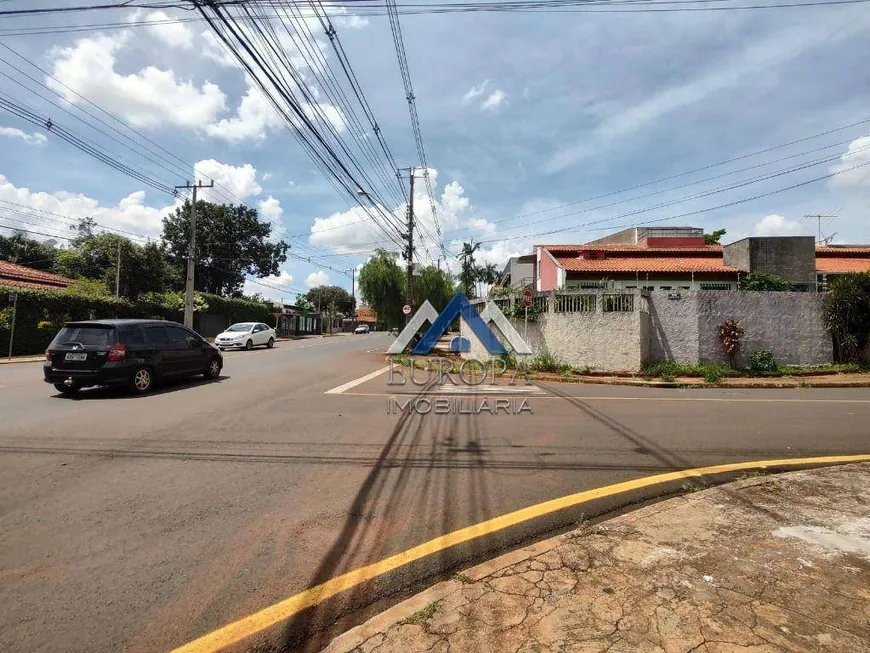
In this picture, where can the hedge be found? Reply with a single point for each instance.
(41, 313)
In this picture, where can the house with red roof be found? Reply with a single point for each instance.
(21, 277)
(677, 258)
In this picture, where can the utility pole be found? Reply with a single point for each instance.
(118, 271)
(191, 252)
(409, 235)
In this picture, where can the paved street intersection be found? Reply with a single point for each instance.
(143, 523)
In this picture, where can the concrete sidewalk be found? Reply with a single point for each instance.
(764, 564)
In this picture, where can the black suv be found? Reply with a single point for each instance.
(135, 353)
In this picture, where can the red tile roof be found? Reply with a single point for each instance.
(707, 249)
(647, 264)
(841, 264)
(19, 276)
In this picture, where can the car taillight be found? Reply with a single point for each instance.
(48, 354)
(118, 352)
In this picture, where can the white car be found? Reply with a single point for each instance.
(246, 335)
(362, 328)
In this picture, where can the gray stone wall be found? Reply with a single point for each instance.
(788, 324)
(791, 257)
(684, 330)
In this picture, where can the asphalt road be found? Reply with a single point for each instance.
(140, 523)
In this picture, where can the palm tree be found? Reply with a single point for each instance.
(467, 274)
(487, 274)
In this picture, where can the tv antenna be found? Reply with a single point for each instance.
(819, 218)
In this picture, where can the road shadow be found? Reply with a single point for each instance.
(122, 391)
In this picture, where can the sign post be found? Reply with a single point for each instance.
(527, 301)
(14, 299)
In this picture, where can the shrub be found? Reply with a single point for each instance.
(762, 361)
(730, 333)
(547, 362)
(847, 315)
(761, 281)
(712, 375)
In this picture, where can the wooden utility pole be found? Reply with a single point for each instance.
(191, 252)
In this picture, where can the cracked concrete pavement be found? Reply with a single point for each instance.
(766, 564)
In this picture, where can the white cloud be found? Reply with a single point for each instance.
(253, 118)
(240, 181)
(475, 92)
(214, 49)
(270, 209)
(173, 34)
(331, 114)
(34, 138)
(282, 283)
(129, 214)
(266, 176)
(319, 278)
(150, 98)
(494, 100)
(352, 22)
(777, 225)
(354, 230)
(857, 154)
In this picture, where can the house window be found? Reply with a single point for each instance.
(650, 288)
(715, 286)
(664, 287)
(591, 284)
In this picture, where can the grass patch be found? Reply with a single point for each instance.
(667, 370)
(755, 473)
(462, 578)
(424, 614)
(548, 362)
(693, 486)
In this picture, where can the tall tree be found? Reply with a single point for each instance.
(713, 238)
(467, 271)
(435, 285)
(323, 296)
(231, 242)
(382, 286)
(487, 275)
(95, 256)
(20, 249)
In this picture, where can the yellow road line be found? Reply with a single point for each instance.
(275, 614)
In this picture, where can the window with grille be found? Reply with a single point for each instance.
(715, 286)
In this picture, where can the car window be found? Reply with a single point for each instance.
(177, 335)
(155, 334)
(86, 335)
(131, 335)
(241, 327)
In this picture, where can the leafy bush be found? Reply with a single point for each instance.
(730, 333)
(762, 360)
(547, 362)
(761, 281)
(847, 315)
(711, 372)
(712, 375)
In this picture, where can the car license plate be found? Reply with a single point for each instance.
(76, 357)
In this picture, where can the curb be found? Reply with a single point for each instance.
(21, 359)
(809, 383)
(356, 637)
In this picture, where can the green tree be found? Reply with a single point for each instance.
(487, 275)
(761, 281)
(847, 315)
(323, 296)
(20, 249)
(435, 285)
(382, 286)
(713, 238)
(231, 242)
(468, 273)
(144, 269)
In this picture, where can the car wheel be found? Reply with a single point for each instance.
(214, 368)
(271, 343)
(249, 345)
(142, 380)
(66, 389)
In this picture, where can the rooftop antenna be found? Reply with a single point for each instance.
(827, 217)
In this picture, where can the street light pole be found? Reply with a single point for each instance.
(191, 253)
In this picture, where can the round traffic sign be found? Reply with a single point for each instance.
(406, 309)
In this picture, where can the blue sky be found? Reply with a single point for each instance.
(520, 113)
